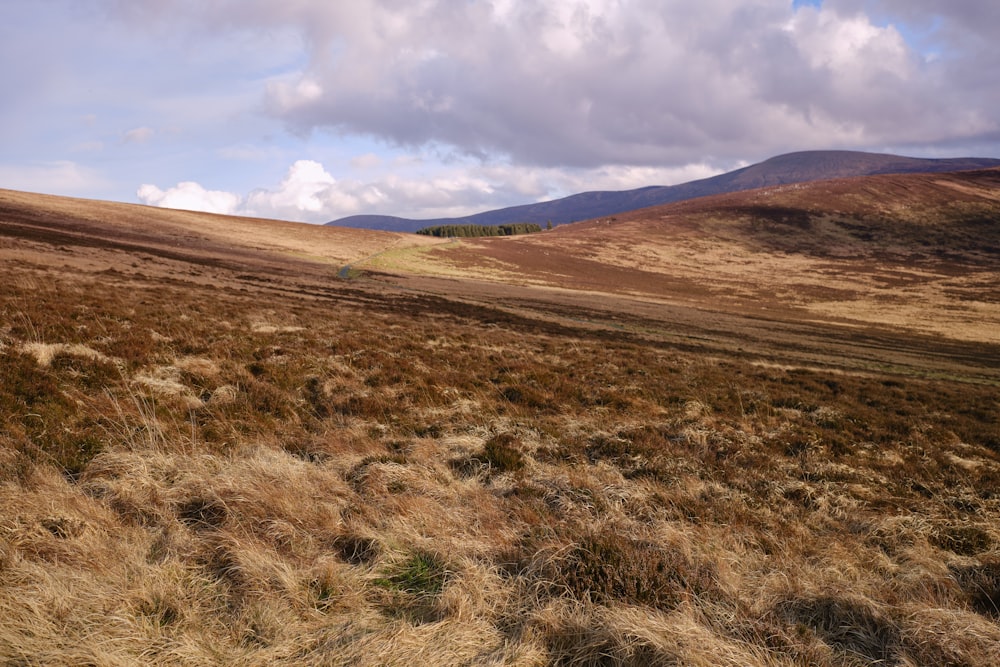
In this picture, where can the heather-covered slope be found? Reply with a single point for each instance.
(918, 252)
(72, 225)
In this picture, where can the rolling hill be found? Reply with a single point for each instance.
(784, 169)
(916, 251)
(754, 429)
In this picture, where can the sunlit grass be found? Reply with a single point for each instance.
(358, 474)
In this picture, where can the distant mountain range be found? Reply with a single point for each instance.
(784, 169)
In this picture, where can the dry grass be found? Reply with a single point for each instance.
(218, 470)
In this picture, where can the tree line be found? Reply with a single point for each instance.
(465, 231)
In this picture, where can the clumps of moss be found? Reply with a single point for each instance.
(411, 588)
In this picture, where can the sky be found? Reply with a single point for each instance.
(312, 110)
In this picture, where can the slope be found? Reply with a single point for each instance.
(916, 252)
(186, 237)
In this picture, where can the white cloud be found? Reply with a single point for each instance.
(591, 82)
(366, 161)
(57, 177)
(414, 188)
(306, 189)
(843, 44)
(190, 196)
(139, 135)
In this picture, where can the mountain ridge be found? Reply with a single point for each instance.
(786, 169)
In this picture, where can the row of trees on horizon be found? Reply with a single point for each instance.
(466, 231)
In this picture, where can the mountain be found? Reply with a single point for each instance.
(781, 170)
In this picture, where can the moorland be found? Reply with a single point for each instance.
(761, 428)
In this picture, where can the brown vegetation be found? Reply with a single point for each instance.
(252, 462)
(916, 252)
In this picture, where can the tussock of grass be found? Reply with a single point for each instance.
(608, 566)
(422, 574)
(981, 583)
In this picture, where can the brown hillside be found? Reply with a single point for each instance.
(161, 236)
(912, 252)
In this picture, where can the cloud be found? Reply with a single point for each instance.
(139, 135)
(366, 161)
(586, 83)
(623, 177)
(454, 107)
(309, 193)
(592, 82)
(958, 38)
(190, 196)
(56, 177)
(971, 18)
(306, 189)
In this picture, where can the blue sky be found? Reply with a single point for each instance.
(312, 110)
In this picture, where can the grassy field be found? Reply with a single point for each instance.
(217, 457)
